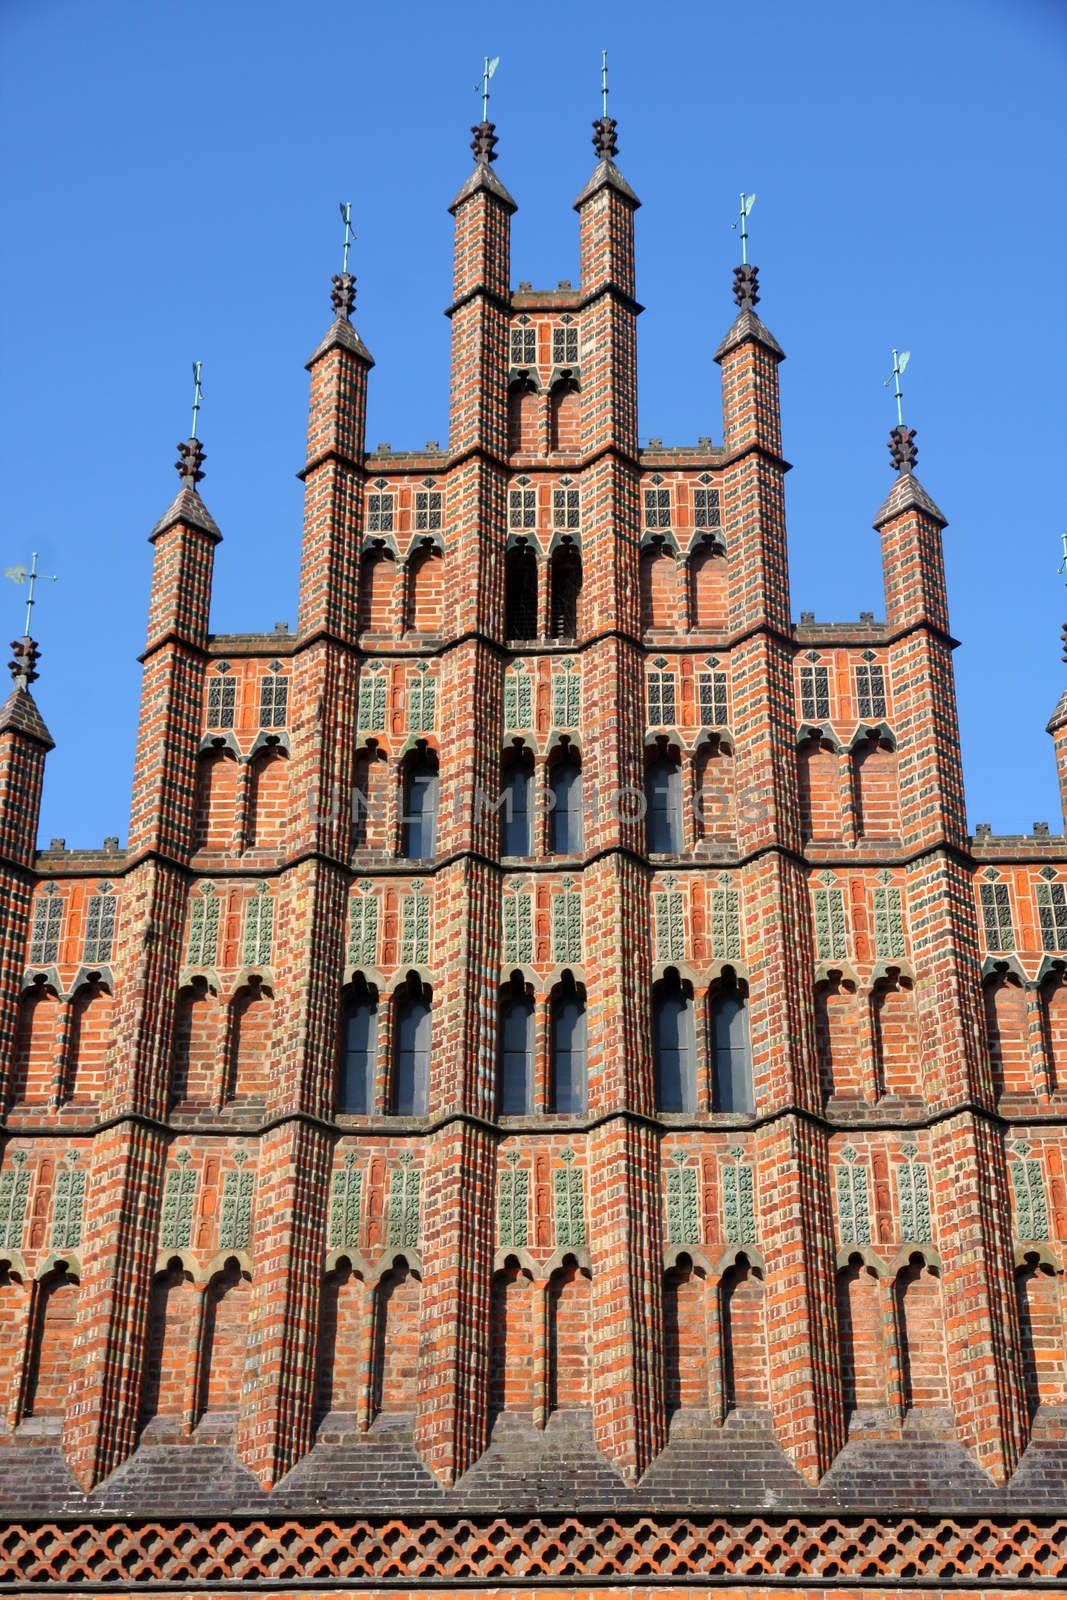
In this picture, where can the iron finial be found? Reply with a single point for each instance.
(343, 293)
(25, 655)
(903, 451)
(191, 455)
(746, 286)
(605, 128)
(485, 141)
(31, 577)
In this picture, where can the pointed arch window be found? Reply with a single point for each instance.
(411, 1066)
(565, 814)
(663, 797)
(515, 1089)
(517, 804)
(566, 582)
(420, 807)
(359, 1051)
(730, 1049)
(673, 1045)
(568, 1079)
(520, 599)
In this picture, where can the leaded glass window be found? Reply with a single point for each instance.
(815, 693)
(273, 700)
(657, 508)
(524, 345)
(1052, 914)
(996, 916)
(379, 513)
(662, 699)
(221, 701)
(706, 512)
(100, 927)
(566, 508)
(714, 710)
(870, 690)
(47, 925)
(522, 505)
(428, 510)
(565, 346)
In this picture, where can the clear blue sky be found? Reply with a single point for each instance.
(175, 196)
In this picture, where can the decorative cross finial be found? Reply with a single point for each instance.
(198, 394)
(605, 143)
(31, 577)
(190, 456)
(900, 361)
(747, 202)
(24, 658)
(903, 451)
(746, 286)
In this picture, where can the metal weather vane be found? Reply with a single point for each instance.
(29, 575)
(900, 361)
(489, 66)
(1062, 568)
(747, 202)
(345, 207)
(198, 394)
(604, 82)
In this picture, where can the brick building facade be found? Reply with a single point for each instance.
(658, 1177)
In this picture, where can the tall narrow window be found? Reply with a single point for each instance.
(516, 1051)
(566, 580)
(706, 512)
(663, 796)
(420, 808)
(714, 711)
(524, 345)
(565, 816)
(515, 811)
(520, 597)
(657, 508)
(359, 1052)
(568, 1047)
(996, 916)
(411, 1074)
(731, 1053)
(673, 1046)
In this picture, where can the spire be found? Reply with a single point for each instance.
(907, 494)
(747, 327)
(606, 145)
(343, 302)
(187, 505)
(19, 713)
(483, 148)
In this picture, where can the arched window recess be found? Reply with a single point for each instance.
(867, 733)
